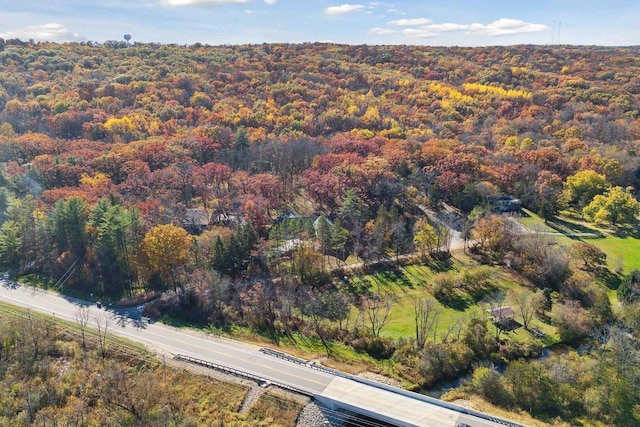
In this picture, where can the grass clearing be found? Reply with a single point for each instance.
(623, 249)
(403, 285)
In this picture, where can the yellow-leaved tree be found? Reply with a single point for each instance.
(164, 249)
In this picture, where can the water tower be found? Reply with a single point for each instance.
(127, 37)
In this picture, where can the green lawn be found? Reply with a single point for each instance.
(624, 248)
(403, 285)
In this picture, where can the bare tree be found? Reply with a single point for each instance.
(455, 327)
(525, 304)
(444, 238)
(500, 315)
(330, 306)
(134, 393)
(374, 315)
(425, 312)
(33, 333)
(82, 319)
(103, 321)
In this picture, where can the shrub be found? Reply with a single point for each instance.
(378, 348)
(487, 382)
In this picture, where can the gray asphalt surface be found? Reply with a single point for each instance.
(169, 340)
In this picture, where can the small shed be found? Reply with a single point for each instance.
(501, 314)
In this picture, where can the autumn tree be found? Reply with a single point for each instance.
(573, 321)
(540, 260)
(164, 249)
(493, 233)
(307, 264)
(425, 237)
(616, 207)
(548, 191)
(582, 187)
(592, 256)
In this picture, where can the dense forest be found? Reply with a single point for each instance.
(255, 186)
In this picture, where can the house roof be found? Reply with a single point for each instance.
(200, 217)
(501, 312)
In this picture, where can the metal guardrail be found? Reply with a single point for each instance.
(299, 361)
(407, 393)
(240, 373)
(285, 356)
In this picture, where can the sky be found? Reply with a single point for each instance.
(421, 22)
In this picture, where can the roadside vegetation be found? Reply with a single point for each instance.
(58, 374)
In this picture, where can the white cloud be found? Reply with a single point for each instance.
(270, 1)
(180, 3)
(52, 32)
(447, 26)
(425, 28)
(410, 22)
(343, 8)
(381, 31)
(416, 33)
(506, 26)
(396, 11)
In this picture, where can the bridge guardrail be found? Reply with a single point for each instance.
(240, 373)
(299, 361)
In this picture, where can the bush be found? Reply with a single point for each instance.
(378, 348)
(487, 382)
(445, 360)
(572, 320)
(477, 281)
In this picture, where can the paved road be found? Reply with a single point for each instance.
(334, 390)
(165, 339)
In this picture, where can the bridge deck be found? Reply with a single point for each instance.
(397, 409)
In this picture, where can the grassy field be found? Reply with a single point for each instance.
(405, 284)
(622, 248)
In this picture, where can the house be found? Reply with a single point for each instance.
(505, 203)
(502, 314)
(196, 220)
(287, 216)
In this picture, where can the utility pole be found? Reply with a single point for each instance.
(559, 26)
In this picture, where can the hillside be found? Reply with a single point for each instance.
(307, 195)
